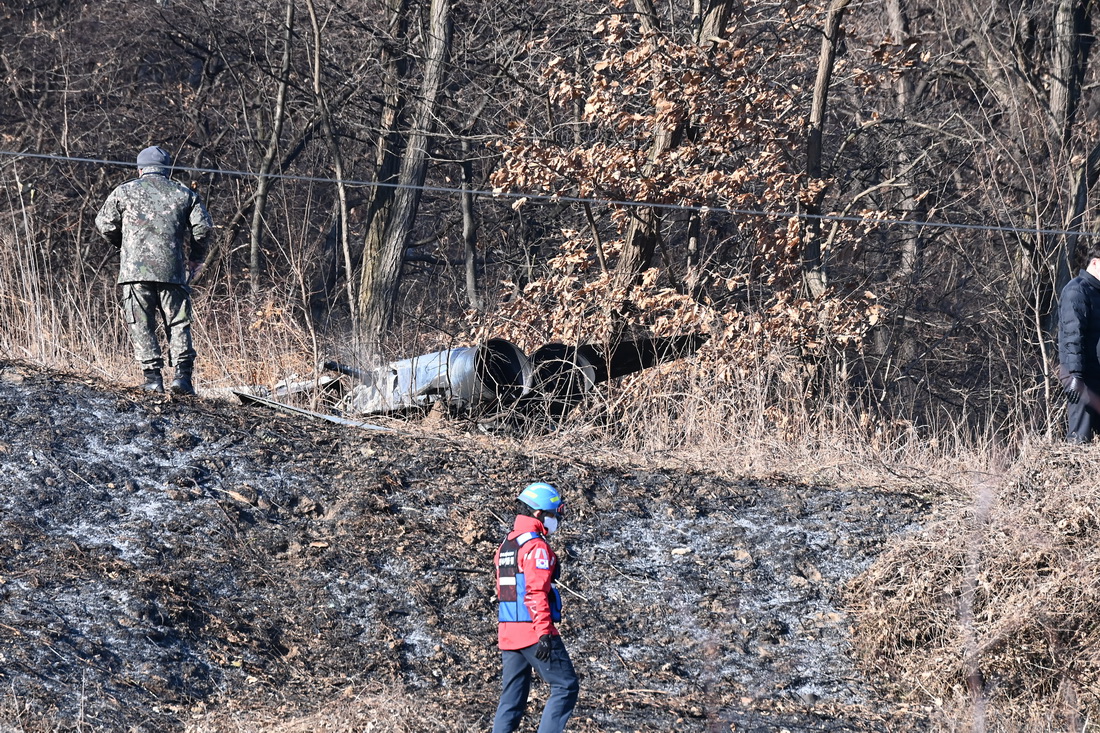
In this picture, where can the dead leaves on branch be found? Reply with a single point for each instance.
(577, 303)
(667, 123)
(728, 130)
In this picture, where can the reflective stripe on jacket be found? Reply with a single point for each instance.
(528, 604)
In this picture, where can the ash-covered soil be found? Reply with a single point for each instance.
(163, 559)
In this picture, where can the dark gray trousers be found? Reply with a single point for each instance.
(557, 672)
(1082, 424)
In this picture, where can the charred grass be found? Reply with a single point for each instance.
(195, 565)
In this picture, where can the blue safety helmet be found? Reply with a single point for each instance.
(541, 495)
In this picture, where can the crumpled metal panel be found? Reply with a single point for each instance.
(494, 373)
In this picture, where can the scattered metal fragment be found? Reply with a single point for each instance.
(251, 399)
(296, 385)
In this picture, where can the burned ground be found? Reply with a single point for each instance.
(172, 564)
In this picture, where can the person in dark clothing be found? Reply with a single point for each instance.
(1079, 349)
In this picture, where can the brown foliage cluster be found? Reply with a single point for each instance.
(731, 129)
(572, 305)
(681, 124)
(735, 128)
(996, 599)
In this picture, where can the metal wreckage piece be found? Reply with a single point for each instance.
(496, 371)
(497, 376)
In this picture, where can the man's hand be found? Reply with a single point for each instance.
(1075, 387)
(543, 652)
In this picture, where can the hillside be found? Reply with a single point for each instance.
(173, 564)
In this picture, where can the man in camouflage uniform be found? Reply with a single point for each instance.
(161, 227)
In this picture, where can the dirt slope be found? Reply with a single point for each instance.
(170, 564)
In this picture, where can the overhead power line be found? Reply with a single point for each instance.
(558, 198)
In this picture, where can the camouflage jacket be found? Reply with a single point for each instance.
(153, 219)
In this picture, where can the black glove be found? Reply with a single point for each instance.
(1074, 387)
(543, 652)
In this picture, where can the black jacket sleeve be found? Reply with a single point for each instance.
(1072, 321)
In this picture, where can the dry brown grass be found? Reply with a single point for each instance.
(991, 611)
(68, 318)
(676, 416)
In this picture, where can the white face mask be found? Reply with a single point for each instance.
(551, 524)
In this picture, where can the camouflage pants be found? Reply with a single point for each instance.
(142, 302)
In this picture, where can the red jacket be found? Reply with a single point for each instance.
(537, 565)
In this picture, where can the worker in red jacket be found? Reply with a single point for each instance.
(528, 606)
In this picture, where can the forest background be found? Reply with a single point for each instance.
(869, 207)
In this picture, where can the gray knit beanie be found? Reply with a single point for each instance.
(154, 157)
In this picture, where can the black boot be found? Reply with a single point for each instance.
(153, 382)
(181, 385)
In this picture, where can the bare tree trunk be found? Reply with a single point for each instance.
(1070, 51)
(645, 225)
(596, 239)
(1071, 47)
(813, 272)
(382, 270)
(338, 164)
(469, 228)
(263, 185)
(468, 207)
(1067, 54)
(391, 143)
(712, 23)
(898, 16)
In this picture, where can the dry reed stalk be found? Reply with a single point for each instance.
(1024, 625)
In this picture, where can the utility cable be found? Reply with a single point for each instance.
(559, 198)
